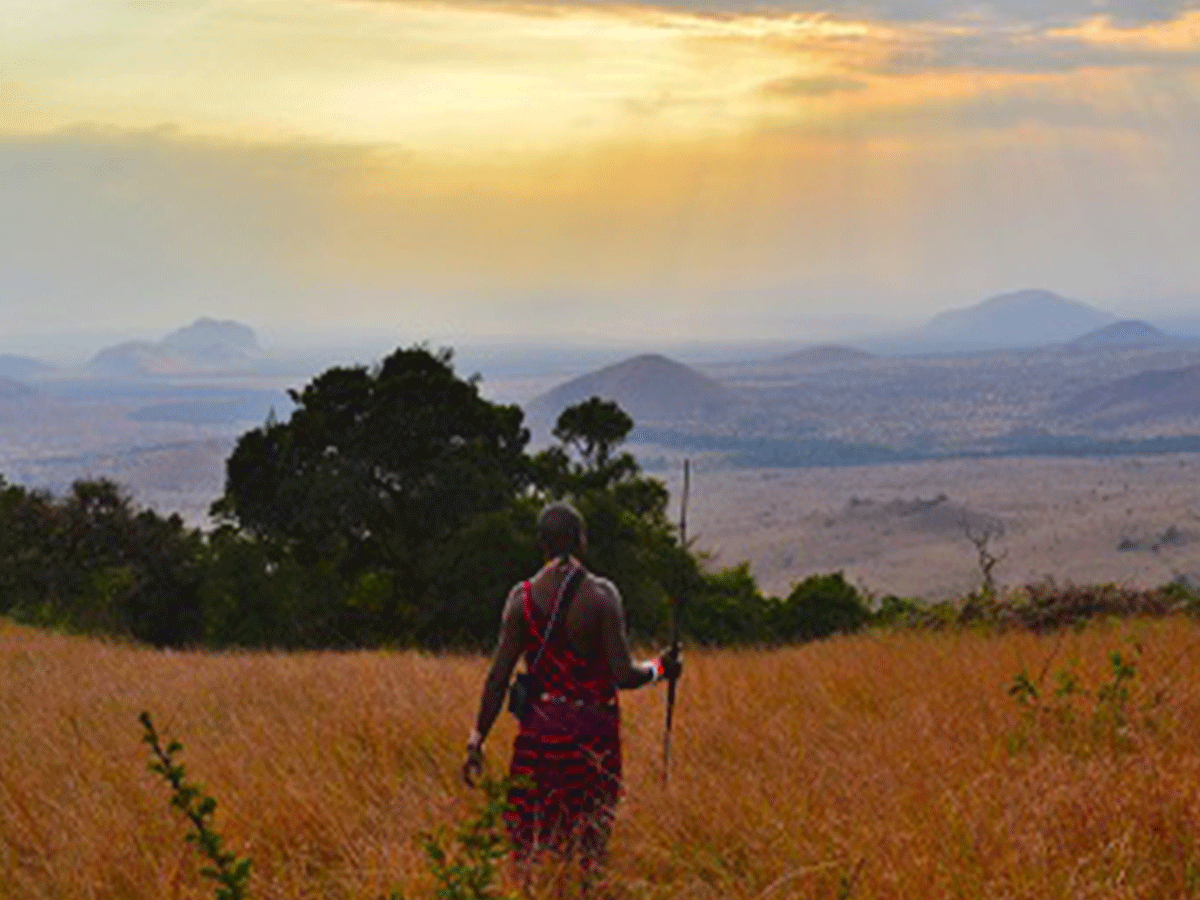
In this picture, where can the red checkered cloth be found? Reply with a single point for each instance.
(566, 762)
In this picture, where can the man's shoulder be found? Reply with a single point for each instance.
(603, 588)
(516, 597)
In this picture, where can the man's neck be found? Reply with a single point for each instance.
(556, 564)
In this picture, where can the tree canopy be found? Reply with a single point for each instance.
(377, 468)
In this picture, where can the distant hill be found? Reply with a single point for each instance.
(204, 345)
(22, 367)
(11, 389)
(1144, 397)
(136, 359)
(1024, 319)
(650, 388)
(1122, 335)
(215, 340)
(826, 356)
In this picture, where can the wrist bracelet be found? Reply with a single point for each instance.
(656, 669)
(475, 741)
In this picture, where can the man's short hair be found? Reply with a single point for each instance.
(560, 529)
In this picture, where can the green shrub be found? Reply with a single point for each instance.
(1078, 718)
(729, 609)
(1049, 606)
(818, 607)
(901, 611)
(466, 863)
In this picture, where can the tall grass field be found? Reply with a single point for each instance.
(906, 765)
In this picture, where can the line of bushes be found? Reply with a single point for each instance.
(92, 561)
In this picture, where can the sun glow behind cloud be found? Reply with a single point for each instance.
(423, 76)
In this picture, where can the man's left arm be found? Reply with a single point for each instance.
(508, 651)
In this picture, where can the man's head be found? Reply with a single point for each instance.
(561, 530)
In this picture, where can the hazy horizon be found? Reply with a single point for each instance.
(74, 347)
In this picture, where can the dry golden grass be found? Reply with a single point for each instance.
(899, 756)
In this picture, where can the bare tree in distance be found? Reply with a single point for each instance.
(982, 536)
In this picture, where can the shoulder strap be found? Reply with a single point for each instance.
(566, 593)
(527, 606)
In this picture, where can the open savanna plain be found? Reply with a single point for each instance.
(884, 765)
(898, 529)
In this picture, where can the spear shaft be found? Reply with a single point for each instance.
(672, 682)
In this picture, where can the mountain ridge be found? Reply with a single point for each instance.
(203, 345)
(214, 337)
(12, 389)
(1027, 318)
(1127, 333)
(21, 368)
(650, 387)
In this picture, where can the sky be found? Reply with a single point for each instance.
(603, 170)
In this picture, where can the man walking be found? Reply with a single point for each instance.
(566, 762)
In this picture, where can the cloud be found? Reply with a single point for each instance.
(1090, 44)
(1034, 12)
(437, 78)
(1037, 13)
(1180, 35)
(814, 86)
(486, 78)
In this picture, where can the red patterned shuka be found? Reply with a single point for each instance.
(567, 752)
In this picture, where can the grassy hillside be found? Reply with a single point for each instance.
(879, 766)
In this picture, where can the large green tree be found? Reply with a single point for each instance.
(374, 472)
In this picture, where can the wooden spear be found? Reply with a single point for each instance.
(675, 611)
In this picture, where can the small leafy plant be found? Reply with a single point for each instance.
(468, 869)
(1073, 717)
(230, 872)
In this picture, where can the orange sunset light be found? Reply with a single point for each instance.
(429, 77)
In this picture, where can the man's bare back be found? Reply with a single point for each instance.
(595, 623)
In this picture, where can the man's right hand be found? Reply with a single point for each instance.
(672, 663)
